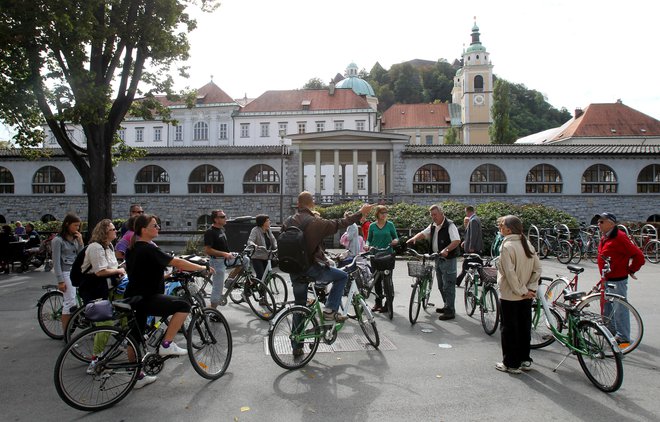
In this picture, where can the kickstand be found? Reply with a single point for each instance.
(562, 361)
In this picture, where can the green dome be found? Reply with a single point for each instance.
(359, 86)
(475, 48)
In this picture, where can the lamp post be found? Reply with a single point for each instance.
(282, 135)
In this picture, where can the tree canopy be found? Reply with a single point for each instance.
(82, 62)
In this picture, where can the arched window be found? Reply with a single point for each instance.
(201, 132)
(152, 179)
(204, 222)
(648, 180)
(479, 83)
(431, 178)
(261, 179)
(206, 179)
(48, 179)
(488, 178)
(599, 178)
(543, 178)
(47, 218)
(6, 181)
(113, 186)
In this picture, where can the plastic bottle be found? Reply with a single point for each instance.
(157, 335)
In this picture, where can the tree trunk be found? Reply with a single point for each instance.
(100, 177)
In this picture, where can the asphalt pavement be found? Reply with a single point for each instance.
(431, 371)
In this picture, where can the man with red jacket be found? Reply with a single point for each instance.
(625, 260)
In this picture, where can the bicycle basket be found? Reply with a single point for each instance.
(382, 262)
(418, 269)
(488, 274)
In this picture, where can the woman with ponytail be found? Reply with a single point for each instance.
(518, 274)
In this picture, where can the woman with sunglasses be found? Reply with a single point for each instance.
(145, 265)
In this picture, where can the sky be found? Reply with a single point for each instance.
(574, 52)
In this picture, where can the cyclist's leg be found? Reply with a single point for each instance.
(620, 315)
(448, 279)
(300, 298)
(259, 266)
(69, 297)
(218, 265)
(378, 288)
(337, 277)
(164, 306)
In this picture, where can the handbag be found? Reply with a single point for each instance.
(99, 310)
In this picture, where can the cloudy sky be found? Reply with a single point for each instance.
(574, 52)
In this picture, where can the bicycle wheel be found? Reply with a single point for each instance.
(388, 286)
(427, 286)
(367, 322)
(470, 294)
(77, 324)
(652, 251)
(277, 286)
(592, 251)
(544, 249)
(210, 343)
(576, 251)
(490, 310)
(600, 360)
(564, 252)
(261, 300)
(592, 304)
(297, 329)
(416, 297)
(86, 387)
(541, 335)
(236, 292)
(49, 314)
(555, 293)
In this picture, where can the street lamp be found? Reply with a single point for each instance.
(282, 135)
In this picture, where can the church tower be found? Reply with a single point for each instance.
(473, 90)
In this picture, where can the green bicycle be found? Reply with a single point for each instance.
(302, 328)
(481, 289)
(596, 349)
(422, 271)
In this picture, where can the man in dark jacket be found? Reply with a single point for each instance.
(625, 260)
(320, 270)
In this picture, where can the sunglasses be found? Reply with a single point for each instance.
(220, 216)
(112, 230)
(156, 226)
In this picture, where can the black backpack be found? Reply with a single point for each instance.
(291, 247)
(76, 274)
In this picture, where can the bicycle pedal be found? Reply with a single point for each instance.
(223, 301)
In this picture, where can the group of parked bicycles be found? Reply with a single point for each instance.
(572, 246)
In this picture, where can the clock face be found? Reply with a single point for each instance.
(478, 99)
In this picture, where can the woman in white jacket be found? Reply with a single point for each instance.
(518, 274)
(262, 237)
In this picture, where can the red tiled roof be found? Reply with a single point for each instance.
(401, 116)
(208, 94)
(610, 121)
(319, 99)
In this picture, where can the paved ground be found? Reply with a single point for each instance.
(433, 371)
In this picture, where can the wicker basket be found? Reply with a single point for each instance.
(488, 274)
(418, 269)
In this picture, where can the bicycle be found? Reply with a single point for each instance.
(123, 356)
(481, 289)
(275, 282)
(554, 244)
(241, 286)
(599, 301)
(382, 264)
(646, 238)
(585, 244)
(302, 327)
(596, 349)
(421, 289)
(49, 311)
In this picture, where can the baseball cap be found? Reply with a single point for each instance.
(607, 216)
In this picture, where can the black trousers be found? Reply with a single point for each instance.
(465, 267)
(516, 328)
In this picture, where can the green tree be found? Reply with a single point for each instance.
(406, 83)
(500, 131)
(315, 83)
(80, 62)
(451, 136)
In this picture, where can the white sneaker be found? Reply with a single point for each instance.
(173, 350)
(145, 380)
(91, 369)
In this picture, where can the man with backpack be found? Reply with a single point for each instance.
(317, 266)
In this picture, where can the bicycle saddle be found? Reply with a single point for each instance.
(127, 303)
(574, 269)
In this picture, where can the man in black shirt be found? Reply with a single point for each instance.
(217, 247)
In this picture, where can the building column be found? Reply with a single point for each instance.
(373, 174)
(301, 172)
(337, 173)
(389, 174)
(355, 172)
(317, 181)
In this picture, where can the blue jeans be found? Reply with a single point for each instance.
(619, 316)
(218, 265)
(445, 271)
(324, 275)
